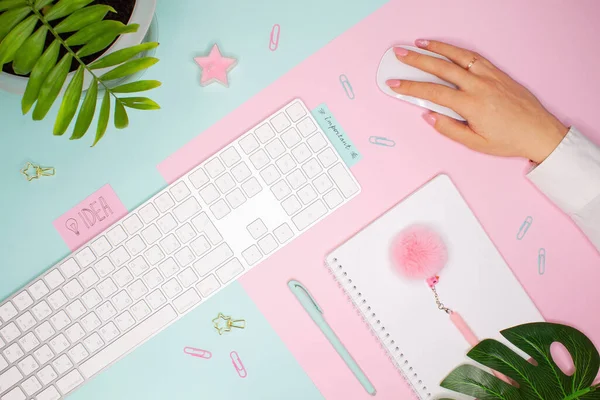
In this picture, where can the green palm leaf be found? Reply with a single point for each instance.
(101, 42)
(38, 75)
(69, 103)
(121, 56)
(141, 103)
(8, 4)
(129, 68)
(10, 19)
(82, 18)
(64, 8)
(15, 39)
(86, 113)
(39, 4)
(51, 87)
(93, 31)
(121, 118)
(138, 86)
(103, 117)
(30, 51)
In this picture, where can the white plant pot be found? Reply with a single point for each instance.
(142, 14)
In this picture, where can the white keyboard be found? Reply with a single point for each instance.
(158, 262)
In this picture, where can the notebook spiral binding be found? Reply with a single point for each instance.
(377, 328)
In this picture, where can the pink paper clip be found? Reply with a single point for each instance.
(238, 365)
(197, 352)
(274, 41)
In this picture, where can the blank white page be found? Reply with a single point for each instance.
(476, 282)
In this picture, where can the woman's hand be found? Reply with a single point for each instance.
(503, 118)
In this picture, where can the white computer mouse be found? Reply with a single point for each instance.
(391, 68)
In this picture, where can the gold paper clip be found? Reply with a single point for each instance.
(32, 171)
(227, 324)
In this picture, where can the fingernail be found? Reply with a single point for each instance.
(429, 118)
(400, 51)
(393, 83)
(422, 43)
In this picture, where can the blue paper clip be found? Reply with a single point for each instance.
(382, 141)
(347, 86)
(274, 40)
(524, 227)
(541, 261)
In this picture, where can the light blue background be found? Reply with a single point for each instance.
(127, 161)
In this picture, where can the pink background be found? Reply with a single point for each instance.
(549, 46)
(103, 219)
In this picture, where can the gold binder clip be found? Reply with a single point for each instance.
(32, 171)
(227, 323)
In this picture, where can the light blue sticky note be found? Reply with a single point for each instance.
(336, 135)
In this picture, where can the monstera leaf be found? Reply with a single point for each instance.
(539, 378)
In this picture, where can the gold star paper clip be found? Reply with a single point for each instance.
(32, 171)
(224, 323)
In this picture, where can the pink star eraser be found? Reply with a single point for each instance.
(215, 67)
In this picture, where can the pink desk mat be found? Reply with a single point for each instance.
(548, 46)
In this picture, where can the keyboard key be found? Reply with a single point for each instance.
(7, 311)
(122, 277)
(109, 332)
(41, 310)
(88, 277)
(184, 256)
(62, 364)
(209, 194)
(22, 300)
(200, 245)
(295, 111)
(180, 191)
(10, 332)
(267, 244)
(153, 278)
(316, 142)
(69, 268)
(85, 257)
(148, 213)
(90, 322)
(166, 223)
(264, 133)
(107, 287)
(225, 183)
(309, 215)
(100, 246)
(105, 266)
(275, 148)
(132, 224)
(285, 164)
(106, 311)
(38, 290)
(31, 385)
(9, 378)
(186, 300)
(28, 365)
(116, 235)
(138, 266)
(270, 174)
(93, 342)
(13, 353)
(257, 228)
(343, 180)
(230, 156)
(230, 270)
(296, 179)
(73, 289)
(140, 310)
(322, 183)
(307, 194)
(259, 159)
(213, 259)
(28, 342)
(170, 244)
(241, 171)
(125, 321)
(280, 122)
(251, 187)
(44, 331)
(312, 168)
(69, 382)
(26, 321)
(15, 394)
(186, 209)
(151, 234)
(291, 205)
(168, 267)
(60, 320)
(252, 255)
(185, 233)
(57, 299)
(198, 178)
(291, 137)
(187, 278)
(248, 143)
(50, 393)
(214, 167)
(164, 202)
(137, 289)
(59, 344)
(75, 332)
(156, 299)
(306, 127)
(208, 285)
(121, 300)
(91, 298)
(76, 309)
(54, 278)
(203, 224)
(327, 157)
(47, 375)
(119, 256)
(280, 190)
(154, 254)
(129, 340)
(301, 153)
(43, 354)
(220, 209)
(236, 198)
(172, 288)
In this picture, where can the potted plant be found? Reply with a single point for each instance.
(82, 49)
(540, 378)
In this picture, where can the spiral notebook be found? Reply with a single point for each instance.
(476, 282)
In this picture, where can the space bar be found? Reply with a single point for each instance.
(128, 341)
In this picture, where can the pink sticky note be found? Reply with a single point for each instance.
(90, 217)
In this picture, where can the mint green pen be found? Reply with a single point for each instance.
(316, 313)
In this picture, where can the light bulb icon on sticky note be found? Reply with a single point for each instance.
(72, 225)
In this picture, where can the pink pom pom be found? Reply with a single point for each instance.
(419, 252)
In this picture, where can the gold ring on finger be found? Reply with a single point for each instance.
(473, 61)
